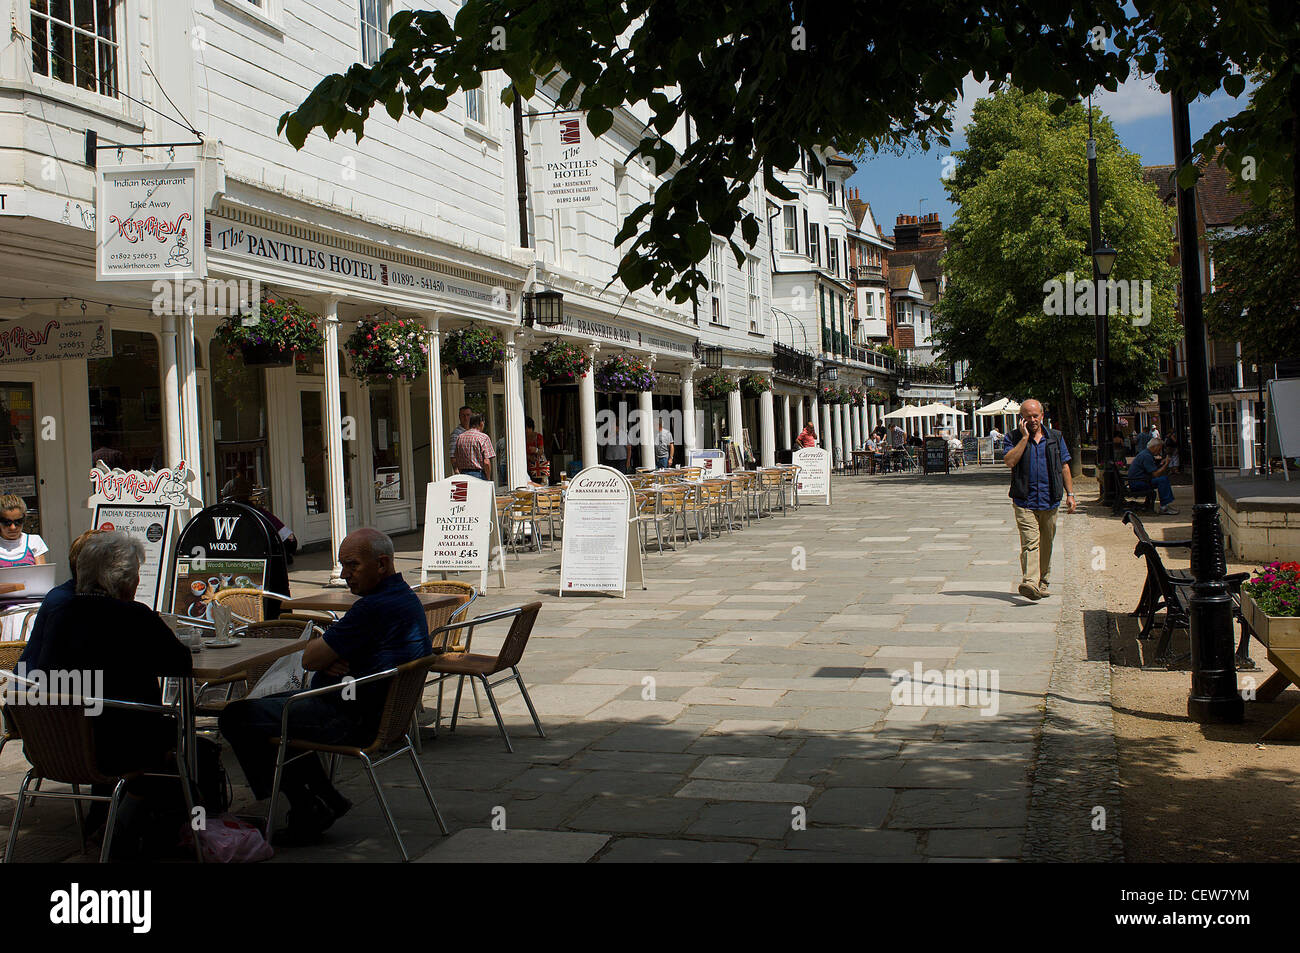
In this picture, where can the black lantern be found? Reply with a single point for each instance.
(1104, 258)
(829, 372)
(712, 357)
(545, 308)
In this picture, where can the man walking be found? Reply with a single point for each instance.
(474, 453)
(1040, 473)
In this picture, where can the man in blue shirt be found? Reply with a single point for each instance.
(1145, 474)
(1040, 474)
(384, 628)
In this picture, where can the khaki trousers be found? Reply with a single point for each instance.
(1037, 530)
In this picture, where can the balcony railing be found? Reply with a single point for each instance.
(867, 273)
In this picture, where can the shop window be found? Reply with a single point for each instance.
(126, 412)
(240, 425)
(18, 449)
(386, 442)
(374, 30)
(76, 42)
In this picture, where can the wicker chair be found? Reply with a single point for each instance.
(247, 604)
(16, 622)
(392, 739)
(58, 740)
(462, 665)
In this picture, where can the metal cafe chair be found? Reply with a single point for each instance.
(462, 665)
(58, 740)
(247, 604)
(392, 739)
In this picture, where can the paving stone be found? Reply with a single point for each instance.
(650, 850)
(636, 815)
(733, 768)
(983, 842)
(958, 809)
(851, 807)
(478, 845)
(745, 820)
(746, 791)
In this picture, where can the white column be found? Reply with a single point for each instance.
(516, 443)
(837, 419)
(335, 494)
(785, 415)
(437, 441)
(855, 427)
(1245, 435)
(735, 422)
(533, 405)
(828, 431)
(646, 416)
(798, 423)
(815, 415)
(767, 424)
(587, 410)
(192, 445)
(690, 426)
(171, 392)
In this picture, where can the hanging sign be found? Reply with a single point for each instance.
(149, 220)
(712, 463)
(141, 504)
(570, 162)
(600, 550)
(54, 339)
(814, 477)
(460, 529)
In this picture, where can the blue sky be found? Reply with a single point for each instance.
(911, 184)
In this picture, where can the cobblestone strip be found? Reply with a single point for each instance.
(1074, 806)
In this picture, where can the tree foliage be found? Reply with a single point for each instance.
(759, 80)
(1023, 221)
(1256, 297)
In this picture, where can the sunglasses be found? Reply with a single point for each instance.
(7, 522)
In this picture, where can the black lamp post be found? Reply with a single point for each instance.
(1103, 260)
(1214, 696)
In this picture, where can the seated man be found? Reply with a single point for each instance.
(121, 647)
(384, 628)
(1145, 474)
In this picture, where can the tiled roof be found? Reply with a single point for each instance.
(1219, 204)
(899, 276)
(925, 262)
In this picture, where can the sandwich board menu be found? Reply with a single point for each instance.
(600, 551)
(711, 462)
(814, 478)
(460, 529)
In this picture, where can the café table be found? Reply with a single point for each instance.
(8, 587)
(341, 600)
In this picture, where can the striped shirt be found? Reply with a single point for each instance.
(473, 451)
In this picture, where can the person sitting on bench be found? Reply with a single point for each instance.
(1145, 474)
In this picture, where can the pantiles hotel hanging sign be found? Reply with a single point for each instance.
(306, 257)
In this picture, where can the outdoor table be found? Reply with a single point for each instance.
(8, 587)
(340, 600)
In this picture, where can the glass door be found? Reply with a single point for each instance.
(312, 496)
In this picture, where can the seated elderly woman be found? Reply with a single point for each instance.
(56, 598)
(125, 647)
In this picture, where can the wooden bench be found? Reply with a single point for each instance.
(1172, 591)
(1125, 501)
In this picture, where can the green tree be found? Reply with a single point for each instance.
(759, 80)
(1018, 258)
(1257, 281)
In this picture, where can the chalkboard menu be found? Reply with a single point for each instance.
(970, 448)
(936, 455)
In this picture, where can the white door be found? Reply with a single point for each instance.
(32, 461)
(310, 479)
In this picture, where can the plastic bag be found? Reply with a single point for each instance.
(286, 674)
(229, 840)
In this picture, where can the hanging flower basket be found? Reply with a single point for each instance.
(856, 394)
(558, 362)
(716, 386)
(754, 385)
(832, 395)
(472, 351)
(623, 373)
(387, 349)
(877, 396)
(270, 335)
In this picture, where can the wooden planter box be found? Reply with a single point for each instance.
(1275, 631)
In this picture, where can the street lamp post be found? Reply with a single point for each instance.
(1103, 260)
(1214, 696)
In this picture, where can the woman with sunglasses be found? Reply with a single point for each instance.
(16, 547)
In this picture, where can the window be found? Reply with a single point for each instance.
(830, 191)
(126, 403)
(902, 314)
(790, 219)
(717, 292)
(832, 254)
(870, 305)
(474, 111)
(76, 44)
(386, 442)
(814, 244)
(754, 323)
(240, 424)
(374, 30)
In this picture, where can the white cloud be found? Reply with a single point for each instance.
(970, 92)
(1138, 98)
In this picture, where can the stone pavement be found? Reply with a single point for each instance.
(741, 707)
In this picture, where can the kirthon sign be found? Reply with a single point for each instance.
(149, 220)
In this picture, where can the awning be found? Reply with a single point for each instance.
(1004, 406)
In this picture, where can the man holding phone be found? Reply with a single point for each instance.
(1040, 475)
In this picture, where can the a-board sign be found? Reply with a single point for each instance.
(1284, 422)
(814, 478)
(229, 546)
(142, 504)
(713, 463)
(600, 551)
(970, 449)
(935, 456)
(986, 450)
(461, 533)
